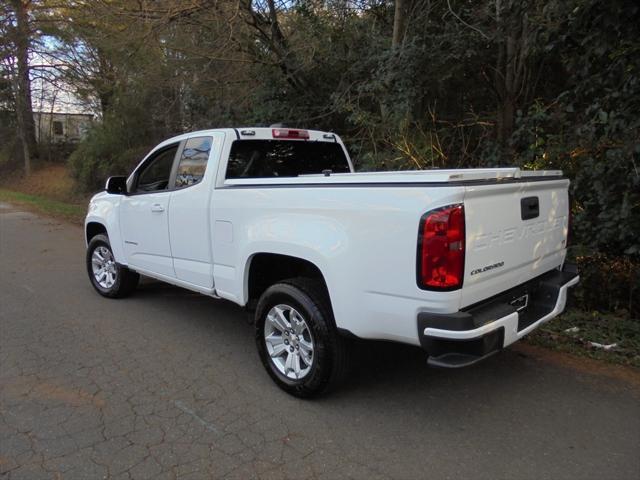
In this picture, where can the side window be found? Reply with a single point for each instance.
(154, 176)
(193, 161)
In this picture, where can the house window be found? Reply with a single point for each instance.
(58, 128)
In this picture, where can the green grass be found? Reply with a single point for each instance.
(67, 211)
(575, 330)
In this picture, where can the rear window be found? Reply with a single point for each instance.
(282, 158)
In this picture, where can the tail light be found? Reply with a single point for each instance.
(289, 133)
(441, 249)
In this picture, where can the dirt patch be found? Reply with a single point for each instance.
(78, 397)
(55, 393)
(628, 375)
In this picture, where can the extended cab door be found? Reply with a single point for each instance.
(189, 210)
(144, 214)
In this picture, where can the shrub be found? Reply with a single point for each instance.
(112, 147)
(607, 283)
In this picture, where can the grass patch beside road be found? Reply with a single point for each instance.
(610, 337)
(50, 189)
(67, 211)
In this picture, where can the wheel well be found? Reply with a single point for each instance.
(93, 229)
(267, 269)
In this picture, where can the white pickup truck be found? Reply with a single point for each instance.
(459, 262)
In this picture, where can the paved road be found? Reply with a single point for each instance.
(167, 384)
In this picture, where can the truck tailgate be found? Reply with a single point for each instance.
(514, 232)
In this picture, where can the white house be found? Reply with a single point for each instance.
(61, 127)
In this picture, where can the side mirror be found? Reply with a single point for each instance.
(116, 185)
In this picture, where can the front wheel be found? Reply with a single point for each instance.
(297, 340)
(109, 278)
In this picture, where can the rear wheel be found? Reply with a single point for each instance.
(109, 278)
(297, 339)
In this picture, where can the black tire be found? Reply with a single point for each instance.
(126, 280)
(330, 350)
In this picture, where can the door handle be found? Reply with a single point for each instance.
(156, 207)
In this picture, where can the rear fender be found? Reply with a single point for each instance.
(317, 240)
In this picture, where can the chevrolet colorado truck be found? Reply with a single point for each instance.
(459, 262)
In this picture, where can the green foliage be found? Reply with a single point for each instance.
(607, 282)
(607, 212)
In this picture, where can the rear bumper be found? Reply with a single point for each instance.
(466, 337)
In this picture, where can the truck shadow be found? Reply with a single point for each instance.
(376, 366)
(403, 368)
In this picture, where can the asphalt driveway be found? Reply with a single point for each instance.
(167, 384)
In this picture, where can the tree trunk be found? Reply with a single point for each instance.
(506, 79)
(514, 35)
(506, 86)
(24, 109)
(505, 120)
(399, 21)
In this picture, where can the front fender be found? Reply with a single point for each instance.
(103, 209)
